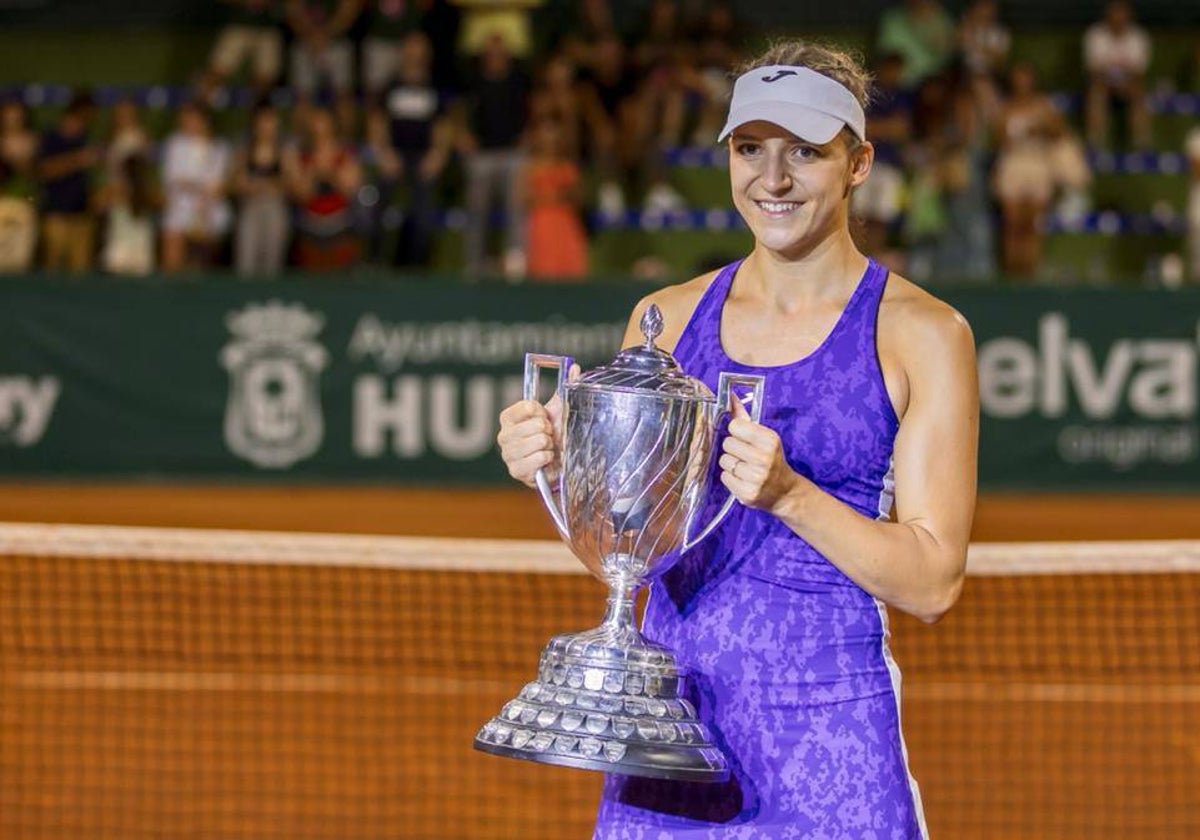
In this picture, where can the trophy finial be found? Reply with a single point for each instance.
(652, 324)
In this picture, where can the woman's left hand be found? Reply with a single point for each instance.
(753, 464)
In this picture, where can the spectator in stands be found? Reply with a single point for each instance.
(557, 97)
(607, 91)
(65, 162)
(381, 169)
(984, 43)
(323, 177)
(879, 201)
(441, 20)
(251, 36)
(1117, 55)
(923, 32)
(420, 131)
(387, 23)
(18, 150)
(660, 60)
(665, 71)
(18, 187)
(196, 214)
(496, 109)
(925, 218)
(1193, 211)
(593, 114)
(552, 186)
(965, 249)
(510, 21)
(322, 56)
(576, 30)
(127, 138)
(657, 36)
(129, 203)
(263, 222)
(588, 128)
(717, 36)
(1024, 178)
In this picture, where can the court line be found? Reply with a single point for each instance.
(218, 681)
(518, 556)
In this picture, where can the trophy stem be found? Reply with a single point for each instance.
(622, 596)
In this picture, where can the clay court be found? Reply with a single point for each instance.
(270, 696)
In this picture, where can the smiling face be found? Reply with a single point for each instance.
(793, 194)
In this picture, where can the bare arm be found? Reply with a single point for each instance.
(917, 562)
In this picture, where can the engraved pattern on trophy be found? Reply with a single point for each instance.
(638, 441)
(636, 471)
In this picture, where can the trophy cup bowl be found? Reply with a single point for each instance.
(637, 446)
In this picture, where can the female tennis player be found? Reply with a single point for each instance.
(857, 488)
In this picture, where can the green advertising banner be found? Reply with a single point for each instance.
(397, 382)
(1087, 388)
(402, 381)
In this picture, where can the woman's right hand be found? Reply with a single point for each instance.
(529, 436)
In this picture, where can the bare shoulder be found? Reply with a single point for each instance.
(677, 304)
(914, 323)
(925, 347)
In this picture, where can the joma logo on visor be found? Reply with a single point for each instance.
(779, 74)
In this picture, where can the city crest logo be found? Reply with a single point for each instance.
(273, 416)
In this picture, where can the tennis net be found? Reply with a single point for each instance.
(169, 684)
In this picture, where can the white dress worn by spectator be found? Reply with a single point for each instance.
(194, 168)
(1116, 57)
(129, 242)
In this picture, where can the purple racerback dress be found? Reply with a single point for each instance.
(787, 658)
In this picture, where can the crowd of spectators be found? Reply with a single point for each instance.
(973, 156)
(397, 110)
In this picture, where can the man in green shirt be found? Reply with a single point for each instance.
(921, 31)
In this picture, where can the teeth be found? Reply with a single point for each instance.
(778, 206)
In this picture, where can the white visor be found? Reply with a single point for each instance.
(811, 106)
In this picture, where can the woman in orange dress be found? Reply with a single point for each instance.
(556, 240)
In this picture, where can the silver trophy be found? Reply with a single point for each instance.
(637, 445)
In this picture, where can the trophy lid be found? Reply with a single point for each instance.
(645, 368)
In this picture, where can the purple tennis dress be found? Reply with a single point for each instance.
(787, 658)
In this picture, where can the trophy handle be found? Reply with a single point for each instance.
(534, 362)
(724, 388)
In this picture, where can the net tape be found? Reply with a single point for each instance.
(518, 556)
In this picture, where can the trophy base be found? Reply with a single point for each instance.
(607, 700)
